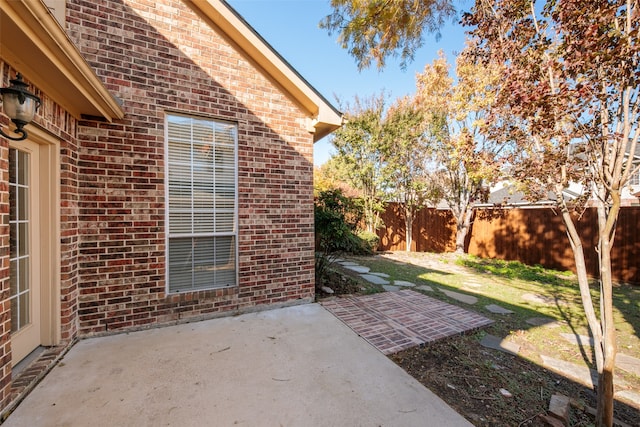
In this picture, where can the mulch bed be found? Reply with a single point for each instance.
(469, 378)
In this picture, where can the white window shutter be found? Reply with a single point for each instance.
(202, 203)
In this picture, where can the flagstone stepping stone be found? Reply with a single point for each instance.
(391, 288)
(581, 340)
(346, 263)
(497, 343)
(543, 321)
(494, 308)
(629, 364)
(473, 284)
(376, 280)
(425, 288)
(538, 299)
(385, 275)
(357, 268)
(403, 283)
(467, 299)
(628, 395)
(581, 374)
(560, 407)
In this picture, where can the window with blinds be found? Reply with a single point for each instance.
(202, 203)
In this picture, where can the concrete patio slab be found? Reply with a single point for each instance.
(395, 321)
(296, 366)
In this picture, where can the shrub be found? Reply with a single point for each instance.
(369, 240)
(323, 266)
(334, 233)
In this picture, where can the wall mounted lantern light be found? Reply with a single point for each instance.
(20, 105)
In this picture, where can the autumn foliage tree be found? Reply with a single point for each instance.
(333, 175)
(375, 30)
(406, 160)
(465, 161)
(569, 101)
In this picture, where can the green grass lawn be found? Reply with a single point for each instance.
(528, 291)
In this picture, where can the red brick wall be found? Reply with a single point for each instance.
(160, 58)
(5, 304)
(62, 125)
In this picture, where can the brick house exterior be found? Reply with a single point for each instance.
(100, 142)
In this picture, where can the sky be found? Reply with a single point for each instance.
(291, 28)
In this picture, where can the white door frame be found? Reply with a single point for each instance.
(47, 174)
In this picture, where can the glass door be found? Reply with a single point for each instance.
(25, 291)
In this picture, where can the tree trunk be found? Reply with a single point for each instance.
(463, 223)
(604, 414)
(606, 221)
(408, 227)
(369, 215)
(603, 331)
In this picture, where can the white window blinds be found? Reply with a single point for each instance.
(201, 203)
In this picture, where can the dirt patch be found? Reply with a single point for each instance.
(340, 283)
(343, 281)
(470, 378)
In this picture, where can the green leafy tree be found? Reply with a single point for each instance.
(406, 163)
(465, 160)
(360, 148)
(374, 30)
(569, 101)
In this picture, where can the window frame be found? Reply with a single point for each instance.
(169, 236)
(634, 180)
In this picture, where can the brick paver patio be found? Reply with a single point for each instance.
(395, 321)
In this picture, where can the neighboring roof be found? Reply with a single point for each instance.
(32, 41)
(509, 195)
(324, 117)
(505, 195)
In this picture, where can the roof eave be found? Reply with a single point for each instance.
(325, 116)
(33, 42)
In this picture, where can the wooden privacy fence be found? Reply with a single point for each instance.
(532, 236)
